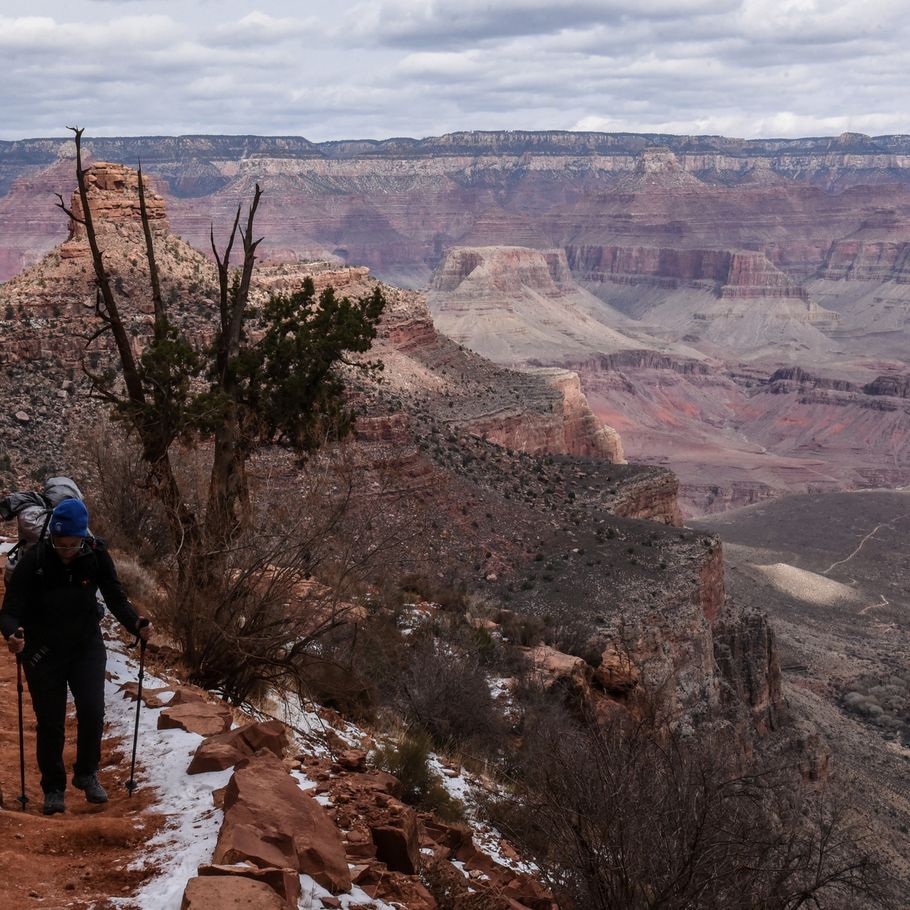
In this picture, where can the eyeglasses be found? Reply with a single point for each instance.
(75, 548)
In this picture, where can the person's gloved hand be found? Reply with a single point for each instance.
(16, 642)
(144, 628)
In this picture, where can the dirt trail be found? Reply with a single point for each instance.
(76, 860)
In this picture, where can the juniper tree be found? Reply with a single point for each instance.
(273, 374)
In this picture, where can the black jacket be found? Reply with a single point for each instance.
(56, 604)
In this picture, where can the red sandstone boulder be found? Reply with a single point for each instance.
(183, 695)
(397, 843)
(352, 759)
(149, 696)
(229, 892)
(270, 821)
(226, 749)
(616, 673)
(447, 838)
(552, 667)
(200, 717)
(285, 882)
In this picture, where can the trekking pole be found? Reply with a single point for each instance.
(131, 783)
(22, 799)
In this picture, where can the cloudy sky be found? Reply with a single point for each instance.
(379, 68)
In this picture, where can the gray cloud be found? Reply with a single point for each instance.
(455, 23)
(424, 67)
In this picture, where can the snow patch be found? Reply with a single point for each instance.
(311, 894)
(188, 839)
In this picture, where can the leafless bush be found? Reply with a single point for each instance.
(295, 577)
(446, 693)
(140, 583)
(115, 483)
(632, 816)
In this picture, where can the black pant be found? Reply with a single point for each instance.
(82, 670)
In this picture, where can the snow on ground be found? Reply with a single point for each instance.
(311, 894)
(309, 726)
(806, 586)
(188, 839)
(463, 787)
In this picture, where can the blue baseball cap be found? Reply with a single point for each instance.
(70, 519)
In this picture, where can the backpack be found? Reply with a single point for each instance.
(32, 512)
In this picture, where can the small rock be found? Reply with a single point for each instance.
(352, 759)
(196, 717)
(23, 417)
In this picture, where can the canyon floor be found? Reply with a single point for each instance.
(831, 571)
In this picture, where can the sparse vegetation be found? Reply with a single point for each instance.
(408, 759)
(883, 701)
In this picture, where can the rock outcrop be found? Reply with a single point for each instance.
(513, 304)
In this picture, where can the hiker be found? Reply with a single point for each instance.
(51, 616)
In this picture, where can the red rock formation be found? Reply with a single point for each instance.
(200, 717)
(218, 752)
(653, 499)
(270, 821)
(228, 892)
(113, 197)
(747, 658)
(753, 276)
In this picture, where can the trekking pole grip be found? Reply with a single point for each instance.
(141, 624)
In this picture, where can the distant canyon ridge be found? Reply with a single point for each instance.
(738, 310)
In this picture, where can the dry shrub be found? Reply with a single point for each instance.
(257, 615)
(408, 760)
(139, 583)
(115, 483)
(446, 693)
(632, 816)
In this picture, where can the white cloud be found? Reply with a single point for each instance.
(258, 28)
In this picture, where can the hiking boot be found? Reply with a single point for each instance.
(53, 802)
(94, 792)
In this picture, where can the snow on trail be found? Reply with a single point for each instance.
(188, 838)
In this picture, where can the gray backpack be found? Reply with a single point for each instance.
(32, 512)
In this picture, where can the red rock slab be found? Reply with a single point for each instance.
(373, 781)
(397, 844)
(224, 750)
(184, 695)
(270, 821)
(149, 696)
(448, 837)
(229, 892)
(474, 859)
(527, 892)
(200, 717)
(352, 759)
(401, 891)
(285, 882)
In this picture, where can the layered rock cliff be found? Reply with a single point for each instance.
(535, 515)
